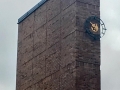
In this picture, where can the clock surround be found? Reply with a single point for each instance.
(95, 27)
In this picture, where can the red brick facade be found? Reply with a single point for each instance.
(54, 52)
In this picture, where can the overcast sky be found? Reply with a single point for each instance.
(11, 10)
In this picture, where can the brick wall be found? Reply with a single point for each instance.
(88, 51)
(54, 53)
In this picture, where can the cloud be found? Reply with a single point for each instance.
(2, 87)
(110, 45)
(10, 11)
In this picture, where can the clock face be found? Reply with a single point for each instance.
(95, 27)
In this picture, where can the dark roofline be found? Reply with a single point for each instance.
(31, 11)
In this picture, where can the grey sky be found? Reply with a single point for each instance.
(110, 45)
(11, 10)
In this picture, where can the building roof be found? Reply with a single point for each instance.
(31, 11)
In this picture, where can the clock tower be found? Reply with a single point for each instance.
(55, 50)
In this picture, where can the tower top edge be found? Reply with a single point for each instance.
(28, 13)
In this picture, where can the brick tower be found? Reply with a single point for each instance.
(54, 52)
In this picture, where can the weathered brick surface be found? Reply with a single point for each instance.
(39, 67)
(66, 3)
(25, 75)
(40, 18)
(53, 59)
(52, 63)
(56, 81)
(27, 27)
(68, 77)
(68, 50)
(47, 83)
(18, 79)
(88, 50)
(88, 76)
(54, 52)
(39, 40)
(53, 31)
(92, 2)
(68, 20)
(20, 31)
(53, 9)
(27, 44)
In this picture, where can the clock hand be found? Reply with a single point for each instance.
(94, 27)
